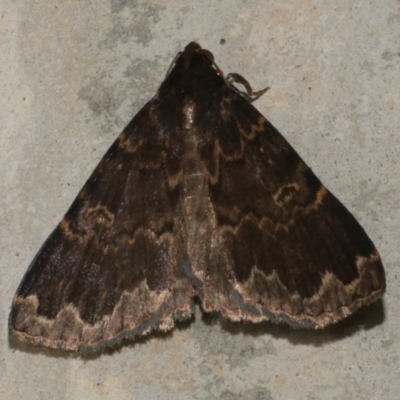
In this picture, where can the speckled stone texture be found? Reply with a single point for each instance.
(74, 73)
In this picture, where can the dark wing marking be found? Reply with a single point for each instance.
(288, 249)
(112, 268)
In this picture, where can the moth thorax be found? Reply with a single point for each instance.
(187, 116)
(194, 187)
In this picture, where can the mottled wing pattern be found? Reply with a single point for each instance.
(199, 196)
(288, 250)
(113, 266)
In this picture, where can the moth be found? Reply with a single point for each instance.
(199, 197)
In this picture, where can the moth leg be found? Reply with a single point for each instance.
(250, 95)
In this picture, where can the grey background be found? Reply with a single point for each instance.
(74, 73)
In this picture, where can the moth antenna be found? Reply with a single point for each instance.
(217, 69)
(173, 64)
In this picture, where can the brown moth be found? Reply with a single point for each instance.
(199, 197)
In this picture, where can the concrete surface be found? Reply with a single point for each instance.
(74, 73)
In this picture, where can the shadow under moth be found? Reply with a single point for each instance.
(199, 197)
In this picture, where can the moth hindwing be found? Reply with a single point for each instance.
(199, 196)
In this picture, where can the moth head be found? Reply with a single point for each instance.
(192, 50)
